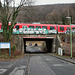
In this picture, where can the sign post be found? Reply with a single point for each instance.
(4, 45)
(71, 37)
(69, 18)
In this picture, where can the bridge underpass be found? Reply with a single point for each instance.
(47, 43)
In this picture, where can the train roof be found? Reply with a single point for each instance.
(35, 24)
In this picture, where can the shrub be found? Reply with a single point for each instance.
(14, 48)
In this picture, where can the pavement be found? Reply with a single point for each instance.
(45, 64)
(32, 49)
(14, 67)
(65, 58)
(38, 64)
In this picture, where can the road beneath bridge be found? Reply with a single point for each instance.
(48, 40)
(37, 64)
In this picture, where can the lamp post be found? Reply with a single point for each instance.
(69, 21)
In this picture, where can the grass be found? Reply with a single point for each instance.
(65, 56)
(4, 55)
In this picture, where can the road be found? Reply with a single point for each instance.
(33, 49)
(44, 64)
(37, 64)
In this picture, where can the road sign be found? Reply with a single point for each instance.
(5, 45)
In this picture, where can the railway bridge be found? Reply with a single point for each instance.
(47, 42)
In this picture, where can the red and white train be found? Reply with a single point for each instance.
(59, 28)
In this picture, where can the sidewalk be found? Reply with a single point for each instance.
(65, 58)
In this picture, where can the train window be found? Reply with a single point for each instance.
(68, 28)
(24, 26)
(31, 26)
(52, 28)
(1, 26)
(38, 26)
(44, 27)
(8, 27)
(61, 28)
(17, 27)
(73, 28)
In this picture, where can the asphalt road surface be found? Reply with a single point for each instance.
(37, 64)
(33, 49)
(44, 64)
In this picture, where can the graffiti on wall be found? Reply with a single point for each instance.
(26, 30)
(68, 31)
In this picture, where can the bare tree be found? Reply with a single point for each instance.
(26, 14)
(53, 17)
(7, 16)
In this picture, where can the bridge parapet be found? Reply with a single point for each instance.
(37, 36)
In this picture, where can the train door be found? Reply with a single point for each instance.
(17, 27)
(73, 29)
(61, 28)
(53, 27)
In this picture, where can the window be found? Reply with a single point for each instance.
(8, 27)
(68, 28)
(52, 28)
(44, 27)
(38, 26)
(61, 28)
(17, 27)
(73, 28)
(31, 26)
(24, 26)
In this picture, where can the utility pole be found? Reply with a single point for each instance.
(69, 19)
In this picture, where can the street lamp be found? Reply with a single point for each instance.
(69, 19)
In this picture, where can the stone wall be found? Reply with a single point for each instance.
(66, 38)
(39, 43)
(66, 44)
(67, 50)
(18, 41)
(15, 40)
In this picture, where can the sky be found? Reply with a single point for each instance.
(41, 2)
(44, 2)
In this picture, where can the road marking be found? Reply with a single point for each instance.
(57, 64)
(18, 71)
(2, 70)
(47, 59)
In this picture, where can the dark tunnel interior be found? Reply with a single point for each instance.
(49, 43)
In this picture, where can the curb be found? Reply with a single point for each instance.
(62, 58)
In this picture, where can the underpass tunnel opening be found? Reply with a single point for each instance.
(35, 44)
(38, 45)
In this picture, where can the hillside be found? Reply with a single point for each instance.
(47, 13)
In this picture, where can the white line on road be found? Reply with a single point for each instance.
(57, 64)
